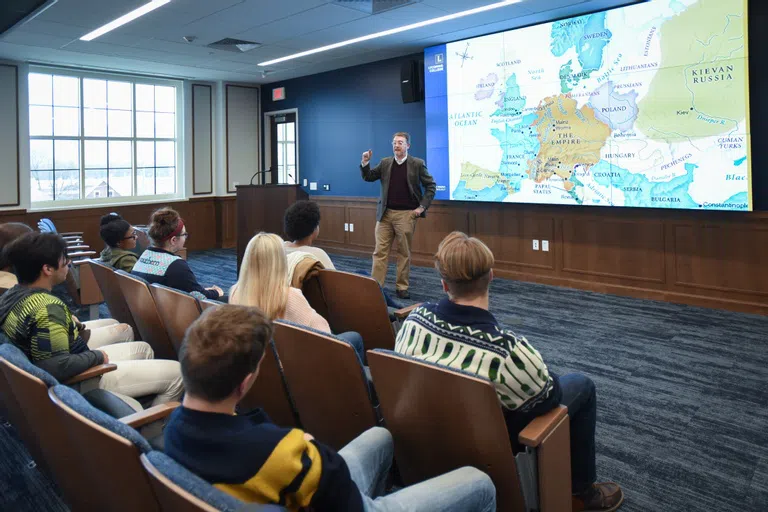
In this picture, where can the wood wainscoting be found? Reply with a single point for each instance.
(210, 220)
(712, 259)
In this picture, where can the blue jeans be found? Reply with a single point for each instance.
(354, 339)
(580, 398)
(369, 458)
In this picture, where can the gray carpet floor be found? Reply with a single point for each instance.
(682, 391)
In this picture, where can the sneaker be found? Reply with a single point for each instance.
(602, 497)
(403, 294)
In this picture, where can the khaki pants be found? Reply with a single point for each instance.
(137, 374)
(398, 226)
(106, 332)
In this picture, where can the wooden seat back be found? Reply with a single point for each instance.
(113, 295)
(209, 303)
(115, 477)
(313, 292)
(145, 314)
(442, 420)
(356, 303)
(270, 392)
(177, 310)
(327, 384)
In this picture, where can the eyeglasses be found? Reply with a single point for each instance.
(131, 237)
(185, 235)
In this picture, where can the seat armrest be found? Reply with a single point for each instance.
(93, 371)
(158, 412)
(82, 254)
(541, 427)
(77, 248)
(78, 263)
(404, 312)
(72, 233)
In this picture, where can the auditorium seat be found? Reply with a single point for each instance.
(313, 292)
(89, 293)
(177, 489)
(177, 310)
(113, 295)
(145, 314)
(107, 451)
(47, 226)
(442, 419)
(209, 303)
(327, 383)
(356, 303)
(270, 392)
(25, 397)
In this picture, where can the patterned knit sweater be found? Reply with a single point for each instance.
(470, 339)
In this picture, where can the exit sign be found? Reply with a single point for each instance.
(278, 93)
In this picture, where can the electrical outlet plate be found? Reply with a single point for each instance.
(535, 245)
(351, 227)
(545, 245)
(306, 181)
(326, 187)
(313, 185)
(346, 226)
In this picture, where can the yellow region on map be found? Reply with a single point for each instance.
(570, 138)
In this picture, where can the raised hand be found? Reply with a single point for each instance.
(367, 157)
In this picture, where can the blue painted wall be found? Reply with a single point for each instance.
(343, 113)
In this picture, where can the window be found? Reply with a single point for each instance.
(98, 137)
(286, 152)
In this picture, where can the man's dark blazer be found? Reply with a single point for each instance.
(418, 177)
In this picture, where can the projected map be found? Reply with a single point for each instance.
(645, 106)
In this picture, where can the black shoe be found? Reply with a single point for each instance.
(403, 294)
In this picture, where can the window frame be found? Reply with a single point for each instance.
(135, 80)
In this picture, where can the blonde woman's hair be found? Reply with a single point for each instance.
(263, 280)
(465, 265)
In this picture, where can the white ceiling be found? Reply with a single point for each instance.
(153, 44)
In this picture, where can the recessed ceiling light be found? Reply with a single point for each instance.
(126, 18)
(391, 31)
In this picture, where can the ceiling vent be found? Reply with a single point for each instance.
(374, 6)
(229, 44)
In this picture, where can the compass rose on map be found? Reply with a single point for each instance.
(465, 55)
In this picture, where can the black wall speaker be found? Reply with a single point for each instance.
(412, 81)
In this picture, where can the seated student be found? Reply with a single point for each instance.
(301, 224)
(476, 342)
(252, 459)
(120, 239)
(263, 283)
(160, 264)
(98, 332)
(42, 326)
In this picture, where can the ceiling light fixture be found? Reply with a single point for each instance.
(391, 31)
(126, 18)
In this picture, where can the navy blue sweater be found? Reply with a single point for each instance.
(254, 460)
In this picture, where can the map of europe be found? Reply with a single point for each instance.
(645, 106)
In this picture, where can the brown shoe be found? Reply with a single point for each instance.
(602, 497)
(403, 294)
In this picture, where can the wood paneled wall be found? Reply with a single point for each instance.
(708, 259)
(702, 258)
(209, 220)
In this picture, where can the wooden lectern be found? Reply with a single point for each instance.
(261, 208)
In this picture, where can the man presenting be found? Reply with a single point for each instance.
(400, 204)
